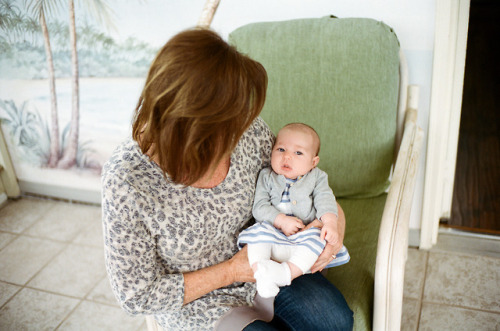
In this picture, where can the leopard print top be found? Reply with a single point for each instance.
(156, 230)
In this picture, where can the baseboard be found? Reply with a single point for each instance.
(60, 192)
(414, 238)
(452, 240)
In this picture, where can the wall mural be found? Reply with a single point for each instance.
(68, 88)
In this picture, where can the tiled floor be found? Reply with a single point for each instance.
(52, 275)
(454, 286)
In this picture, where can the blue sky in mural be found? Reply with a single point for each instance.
(155, 21)
(124, 48)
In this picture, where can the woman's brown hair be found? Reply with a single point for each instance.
(199, 97)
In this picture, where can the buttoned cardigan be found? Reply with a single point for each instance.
(310, 196)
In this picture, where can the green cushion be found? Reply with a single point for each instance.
(356, 279)
(341, 77)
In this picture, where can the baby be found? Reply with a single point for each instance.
(290, 195)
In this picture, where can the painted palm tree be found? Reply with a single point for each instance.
(8, 13)
(102, 12)
(32, 28)
(39, 8)
(68, 158)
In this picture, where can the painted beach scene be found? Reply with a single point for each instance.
(71, 73)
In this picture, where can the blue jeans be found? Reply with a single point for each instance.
(311, 302)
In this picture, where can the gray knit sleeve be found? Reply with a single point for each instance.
(139, 281)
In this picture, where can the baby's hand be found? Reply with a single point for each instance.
(288, 224)
(329, 232)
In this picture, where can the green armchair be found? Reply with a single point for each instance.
(347, 79)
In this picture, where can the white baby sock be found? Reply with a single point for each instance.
(270, 276)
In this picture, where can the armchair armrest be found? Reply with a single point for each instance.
(392, 246)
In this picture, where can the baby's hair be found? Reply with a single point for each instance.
(305, 128)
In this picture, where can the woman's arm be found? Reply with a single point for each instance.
(201, 282)
(326, 256)
(142, 285)
(140, 282)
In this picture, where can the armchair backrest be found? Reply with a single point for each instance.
(341, 76)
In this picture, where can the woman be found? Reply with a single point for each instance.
(176, 196)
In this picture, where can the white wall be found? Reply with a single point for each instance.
(412, 20)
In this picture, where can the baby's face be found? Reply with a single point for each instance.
(294, 153)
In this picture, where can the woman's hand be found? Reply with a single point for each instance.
(200, 282)
(239, 267)
(325, 257)
(314, 224)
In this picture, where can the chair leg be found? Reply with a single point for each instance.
(152, 324)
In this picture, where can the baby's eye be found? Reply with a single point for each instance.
(298, 153)
(279, 149)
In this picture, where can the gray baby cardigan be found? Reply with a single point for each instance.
(311, 196)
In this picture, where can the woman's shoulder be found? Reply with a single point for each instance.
(260, 129)
(126, 161)
(256, 142)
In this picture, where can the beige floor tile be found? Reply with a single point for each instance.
(74, 272)
(35, 310)
(463, 280)
(6, 238)
(436, 317)
(411, 314)
(65, 221)
(24, 257)
(461, 289)
(7, 291)
(102, 293)
(415, 273)
(95, 316)
(20, 214)
(93, 235)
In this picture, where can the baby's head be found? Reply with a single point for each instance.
(295, 151)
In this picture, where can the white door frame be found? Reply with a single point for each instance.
(450, 44)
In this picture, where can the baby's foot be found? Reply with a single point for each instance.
(266, 288)
(270, 276)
